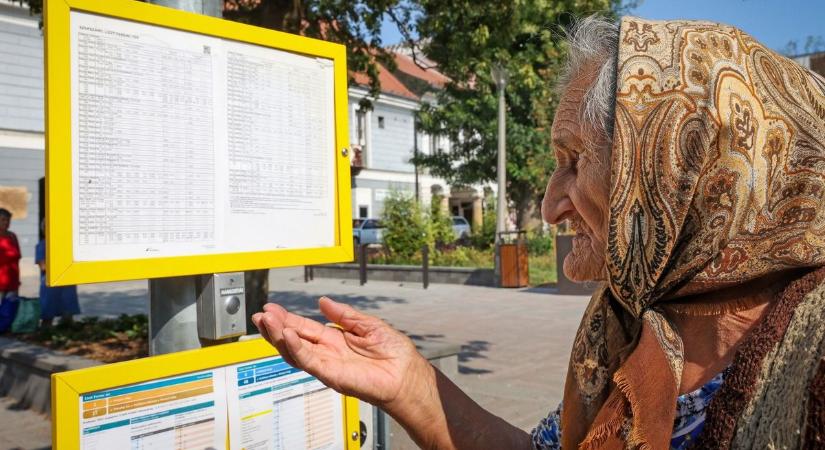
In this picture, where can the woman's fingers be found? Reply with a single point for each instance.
(257, 319)
(303, 351)
(275, 319)
(346, 316)
(272, 330)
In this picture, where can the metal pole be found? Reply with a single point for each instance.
(173, 319)
(501, 211)
(415, 156)
(425, 262)
(500, 77)
(362, 264)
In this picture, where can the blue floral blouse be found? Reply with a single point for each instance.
(690, 419)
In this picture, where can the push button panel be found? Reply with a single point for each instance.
(221, 306)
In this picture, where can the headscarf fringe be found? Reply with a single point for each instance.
(635, 438)
(598, 435)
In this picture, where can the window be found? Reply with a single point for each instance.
(361, 127)
(380, 121)
(363, 211)
(459, 221)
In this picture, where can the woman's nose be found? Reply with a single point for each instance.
(556, 206)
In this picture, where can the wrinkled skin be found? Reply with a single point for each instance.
(578, 191)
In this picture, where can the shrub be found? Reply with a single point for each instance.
(539, 242)
(407, 227)
(440, 223)
(485, 237)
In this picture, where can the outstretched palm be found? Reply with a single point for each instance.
(365, 357)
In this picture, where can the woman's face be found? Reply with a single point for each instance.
(578, 189)
(4, 223)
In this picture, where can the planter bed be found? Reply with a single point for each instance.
(409, 274)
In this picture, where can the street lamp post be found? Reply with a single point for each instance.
(500, 77)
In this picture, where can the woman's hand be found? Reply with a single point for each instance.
(365, 358)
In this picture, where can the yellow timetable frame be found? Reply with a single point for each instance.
(67, 387)
(62, 269)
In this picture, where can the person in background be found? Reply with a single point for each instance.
(9, 257)
(54, 301)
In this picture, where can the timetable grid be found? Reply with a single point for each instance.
(267, 167)
(145, 144)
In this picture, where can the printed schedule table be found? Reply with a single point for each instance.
(186, 144)
(145, 151)
(276, 407)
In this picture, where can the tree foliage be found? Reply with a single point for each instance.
(812, 44)
(465, 38)
(354, 23)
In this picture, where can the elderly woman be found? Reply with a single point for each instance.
(691, 162)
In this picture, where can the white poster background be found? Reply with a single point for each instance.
(185, 144)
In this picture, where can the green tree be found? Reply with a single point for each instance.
(354, 23)
(464, 39)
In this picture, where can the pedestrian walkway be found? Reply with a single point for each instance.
(23, 429)
(515, 342)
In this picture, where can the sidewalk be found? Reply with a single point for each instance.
(515, 342)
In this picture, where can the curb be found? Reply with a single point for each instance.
(409, 274)
(26, 369)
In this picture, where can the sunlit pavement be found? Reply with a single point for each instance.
(515, 342)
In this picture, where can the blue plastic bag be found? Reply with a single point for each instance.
(8, 309)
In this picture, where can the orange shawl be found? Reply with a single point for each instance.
(718, 177)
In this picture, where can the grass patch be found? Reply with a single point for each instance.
(542, 266)
(542, 269)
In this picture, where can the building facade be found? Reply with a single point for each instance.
(22, 142)
(384, 139)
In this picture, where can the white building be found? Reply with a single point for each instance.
(385, 139)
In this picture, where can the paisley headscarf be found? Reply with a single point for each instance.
(717, 178)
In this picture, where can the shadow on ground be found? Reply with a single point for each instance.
(470, 351)
(306, 305)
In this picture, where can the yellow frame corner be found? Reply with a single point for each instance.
(62, 269)
(67, 387)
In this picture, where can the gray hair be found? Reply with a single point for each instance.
(594, 41)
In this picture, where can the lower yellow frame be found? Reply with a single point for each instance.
(67, 387)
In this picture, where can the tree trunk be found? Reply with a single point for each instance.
(256, 285)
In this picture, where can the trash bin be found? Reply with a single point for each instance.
(511, 252)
